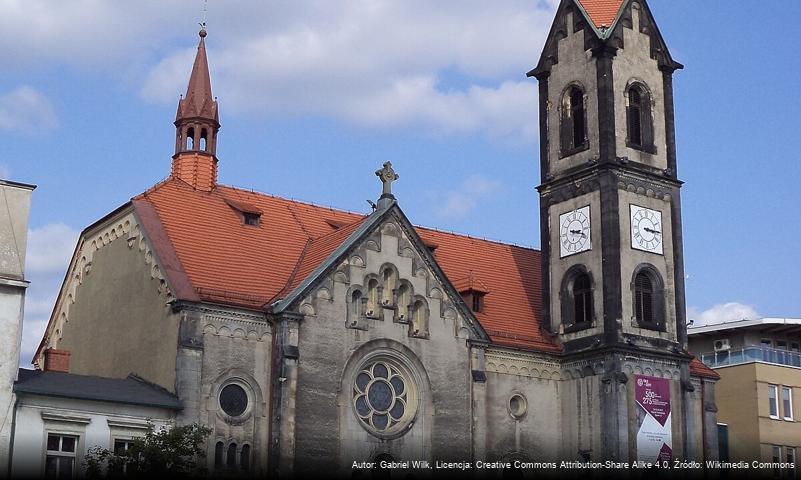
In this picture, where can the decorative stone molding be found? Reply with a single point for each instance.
(123, 226)
(523, 364)
(236, 324)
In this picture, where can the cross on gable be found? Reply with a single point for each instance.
(387, 176)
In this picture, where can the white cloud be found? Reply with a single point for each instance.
(726, 312)
(460, 202)
(450, 66)
(25, 108)
(49, 252)
(5, 172)
(50, 248)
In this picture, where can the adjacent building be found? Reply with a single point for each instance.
(15, 201)
(309, 338)
(759, 363)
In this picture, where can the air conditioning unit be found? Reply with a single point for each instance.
(722, 345)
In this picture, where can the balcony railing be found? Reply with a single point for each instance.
(737, 356)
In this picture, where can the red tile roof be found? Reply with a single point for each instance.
(602, 12)
(213, 256)
(226, 261)
(699, 369)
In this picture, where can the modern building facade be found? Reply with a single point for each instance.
(759, 363)
(310, 338)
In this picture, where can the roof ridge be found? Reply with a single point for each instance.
(293, 200)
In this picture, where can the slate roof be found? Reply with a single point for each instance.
(131, 390)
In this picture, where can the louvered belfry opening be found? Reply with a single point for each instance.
(582, 299)
(644, 299)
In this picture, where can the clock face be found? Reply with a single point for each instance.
(646, 229)
(574, 231)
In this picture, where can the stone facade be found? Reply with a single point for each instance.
(374, 354)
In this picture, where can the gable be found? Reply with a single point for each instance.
(385, 243)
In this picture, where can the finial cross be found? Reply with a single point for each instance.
(387, 176)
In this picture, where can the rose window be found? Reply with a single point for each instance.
(383, 397)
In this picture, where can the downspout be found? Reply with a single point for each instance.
(13, 434)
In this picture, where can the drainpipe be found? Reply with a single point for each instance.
(13, 434)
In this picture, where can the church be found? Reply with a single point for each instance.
(312, 339)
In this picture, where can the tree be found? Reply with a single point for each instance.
(168, 451)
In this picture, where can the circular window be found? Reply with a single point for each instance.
(384, 397)
(518, 406)
(233, 400)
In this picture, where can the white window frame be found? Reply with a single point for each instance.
(62, 454)
(65, 424)
(774, 401)
(789, 391)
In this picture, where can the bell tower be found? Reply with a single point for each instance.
(197, 123)
(610, 208)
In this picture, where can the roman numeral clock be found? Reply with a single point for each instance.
(574, 232)
(646, 229)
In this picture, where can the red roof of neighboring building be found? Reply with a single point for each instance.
(602, 12)
(699, 369)
(226, 261)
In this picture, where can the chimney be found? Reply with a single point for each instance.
(57, 360)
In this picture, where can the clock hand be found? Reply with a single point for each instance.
(649, 230)
(577, 232)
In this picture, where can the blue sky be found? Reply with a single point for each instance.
(315, 95)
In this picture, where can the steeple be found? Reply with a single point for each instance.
(197, 122)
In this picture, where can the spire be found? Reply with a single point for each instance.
(197, 123)
(199, 102)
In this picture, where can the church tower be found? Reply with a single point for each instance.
(610, 210)
(197, 123)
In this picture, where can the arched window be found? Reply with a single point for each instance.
(190, 139)
(573, 122)
(372, 298)
(390, 280)
(355, 307)
(419, 319)
(576, 295)
(582, 299)
(640, 129)
(404, 301)
(230, 459)
(244, 458)
(203, 140)
(218, 454)
(648, 301)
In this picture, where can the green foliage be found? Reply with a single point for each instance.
(174, 452)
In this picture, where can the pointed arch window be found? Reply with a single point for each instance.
(573, 121)
(640, 124)
(647, 289)
(230, 459)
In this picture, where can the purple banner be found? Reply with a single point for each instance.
(654, 434)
